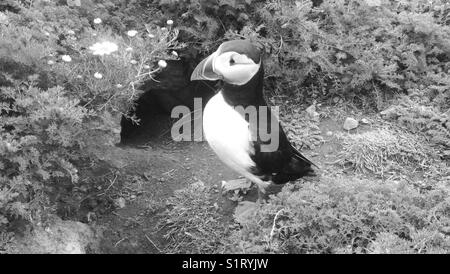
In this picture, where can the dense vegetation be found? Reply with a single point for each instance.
(60, 94)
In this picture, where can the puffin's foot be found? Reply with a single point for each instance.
(241, 183)
(245, 184)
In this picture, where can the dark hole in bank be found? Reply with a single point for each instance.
(155, 105)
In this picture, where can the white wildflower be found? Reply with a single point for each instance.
(97, 21)
(119, 86)
(98, 75)
(129, 49)
(174, 53)
(9, 147)
(66, 58)
(169, 22)
(162, 64)
(50, 62)
(132, 33)
(134, 62)
(163, 28)
(146, 67)
(103, 48)
(151, 35)
(3, 18)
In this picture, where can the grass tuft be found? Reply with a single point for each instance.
(192, 224)
(382, 150)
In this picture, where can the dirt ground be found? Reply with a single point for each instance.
(152, 167)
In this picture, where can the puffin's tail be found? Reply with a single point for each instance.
(299, 166)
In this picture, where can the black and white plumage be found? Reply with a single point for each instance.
(239, 64)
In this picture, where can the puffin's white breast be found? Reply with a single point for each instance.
(227, 132)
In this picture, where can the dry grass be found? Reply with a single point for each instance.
(383, 150)
(193, 224)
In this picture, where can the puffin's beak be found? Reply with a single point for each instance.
(205, 71)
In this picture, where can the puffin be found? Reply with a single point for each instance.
(236, 136)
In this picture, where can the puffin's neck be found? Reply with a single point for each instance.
(250, 94)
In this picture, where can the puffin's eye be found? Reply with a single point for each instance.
(232, 62)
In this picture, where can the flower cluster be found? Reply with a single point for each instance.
(103, 48)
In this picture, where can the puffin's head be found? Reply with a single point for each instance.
(235, 62)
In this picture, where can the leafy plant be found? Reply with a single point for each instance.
(420, 118)
(64, 83)
(347, 215)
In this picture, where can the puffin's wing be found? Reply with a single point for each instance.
(285, 158)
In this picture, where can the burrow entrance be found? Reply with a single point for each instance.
(172, 88)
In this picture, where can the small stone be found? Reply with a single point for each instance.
(350, 123)
(311, 111)
(120, 202)
(57, 237)
(364, 121)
